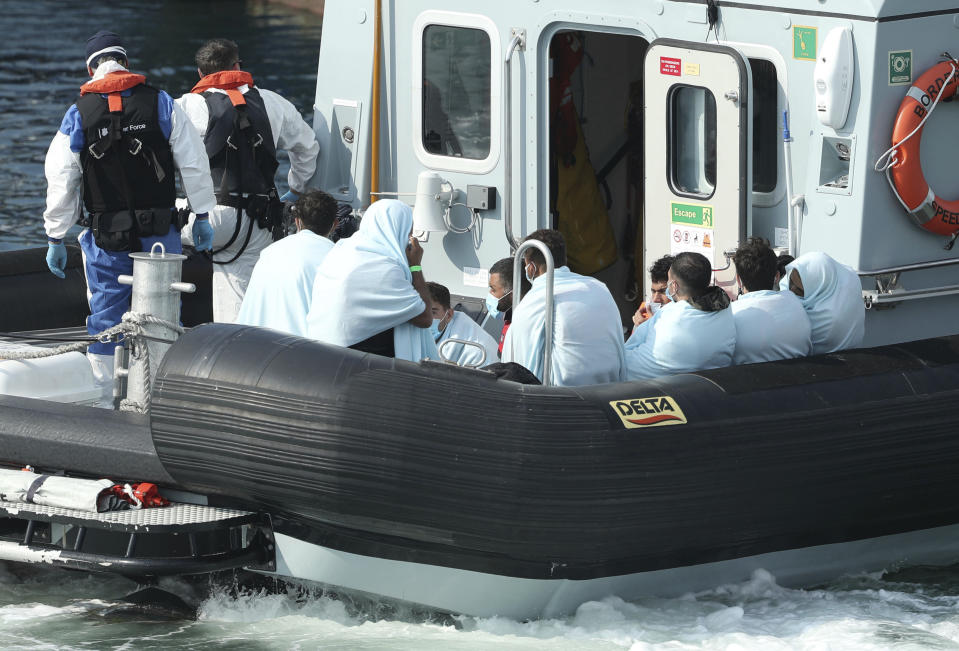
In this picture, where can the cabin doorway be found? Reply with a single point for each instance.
(596, 158)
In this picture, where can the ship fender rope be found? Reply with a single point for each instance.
(131, 325)
(901, 162)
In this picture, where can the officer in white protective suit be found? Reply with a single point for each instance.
(450, 324)
(242, 127)
(770, 324)
(119, 148)
(281, 288)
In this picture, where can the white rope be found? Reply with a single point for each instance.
(888, 159)
(141, 353)
(131, 325)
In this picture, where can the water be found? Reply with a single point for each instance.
(40, 70)
(914, 609)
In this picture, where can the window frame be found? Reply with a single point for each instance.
(671, 176)
(767, 53)
(467, 21)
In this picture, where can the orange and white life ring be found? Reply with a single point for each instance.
(941, 82)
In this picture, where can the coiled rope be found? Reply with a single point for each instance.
(131, 325)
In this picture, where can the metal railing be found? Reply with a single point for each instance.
(453, 340)
(518, 42)
(518, 295)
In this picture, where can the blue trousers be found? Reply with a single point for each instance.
(109, 300)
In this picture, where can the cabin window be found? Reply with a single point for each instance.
(457, 82)
(692, 140)
(765, 125)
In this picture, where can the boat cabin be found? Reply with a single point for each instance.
(645, 128)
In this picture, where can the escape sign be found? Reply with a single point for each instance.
(687, 213)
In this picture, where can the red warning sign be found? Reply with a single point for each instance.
(671, 66)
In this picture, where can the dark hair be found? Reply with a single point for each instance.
(755, 264)
(109, 56)
(317, 210)
(217, 54)
(658, 272)
(693, 272)
(439, 293)
(553, 240)
(781, 261)
(504, 268)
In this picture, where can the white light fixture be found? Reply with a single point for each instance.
(434, 196)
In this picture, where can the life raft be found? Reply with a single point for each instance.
(941, 82)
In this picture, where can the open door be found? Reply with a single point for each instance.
(697, 123)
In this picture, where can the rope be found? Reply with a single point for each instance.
(141, 353)
(131, 325)
(888, 159)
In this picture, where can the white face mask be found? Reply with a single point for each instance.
(653, 306)
(526, 271)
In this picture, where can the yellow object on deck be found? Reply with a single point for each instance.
(582, 216)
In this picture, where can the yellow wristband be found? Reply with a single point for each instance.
(416, 267)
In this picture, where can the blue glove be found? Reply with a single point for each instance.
(289, 197)
(56, 258)
(202, 233)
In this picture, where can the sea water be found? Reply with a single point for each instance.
(44, 608)
(41, 69)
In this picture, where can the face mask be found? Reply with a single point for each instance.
(653, 306)
(435, 329)
(526, 271)
(492, 304)
(670, 295)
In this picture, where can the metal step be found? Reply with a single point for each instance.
(176, 517)
(179, 539)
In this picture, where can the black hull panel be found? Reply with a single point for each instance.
(450, 467)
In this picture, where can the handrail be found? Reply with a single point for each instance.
(518, 295)
(453, 340)
(916, 266)
(517, 42)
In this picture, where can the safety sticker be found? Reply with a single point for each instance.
(692, 214)
(900, 68)
(671, 66)
(693, 239)
(691, 69)
(648, 412)
(475, 277)
(804, 43)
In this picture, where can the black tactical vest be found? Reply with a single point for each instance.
(127, 161)
(239, 143)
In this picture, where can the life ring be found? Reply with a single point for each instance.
(941, 82)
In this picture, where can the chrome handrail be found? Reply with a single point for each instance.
(453, 340)
(518, 295)
(916, 266)
(517, 42)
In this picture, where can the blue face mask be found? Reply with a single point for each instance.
(492, 304)
(669, 294)
(435, 329)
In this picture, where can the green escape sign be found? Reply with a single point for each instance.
(686, 213)
(804, 43)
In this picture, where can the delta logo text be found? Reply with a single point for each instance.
(648, 412)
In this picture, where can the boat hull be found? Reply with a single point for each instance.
(490, 595)
(450, 467)
(449, 477)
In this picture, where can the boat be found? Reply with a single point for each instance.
(447, 487)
